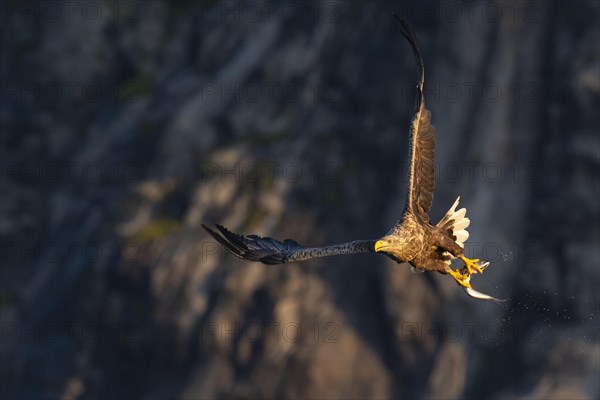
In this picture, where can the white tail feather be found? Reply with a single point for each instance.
(461, 237)
(462, 224)
(457, 222)
(451, 210)
(460, 214)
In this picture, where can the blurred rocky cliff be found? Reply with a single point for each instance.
(125, 125)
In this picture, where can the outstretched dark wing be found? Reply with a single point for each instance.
(255, 248)
(270, 251)
(422, 143)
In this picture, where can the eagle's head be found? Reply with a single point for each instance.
(392, 247)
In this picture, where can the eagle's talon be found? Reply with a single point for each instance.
(472, 264)
(462, 278)
(484, 265)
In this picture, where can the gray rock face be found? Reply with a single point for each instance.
(126, 125)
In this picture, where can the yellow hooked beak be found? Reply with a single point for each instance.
(380, 245)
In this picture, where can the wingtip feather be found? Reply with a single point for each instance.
(252, 247)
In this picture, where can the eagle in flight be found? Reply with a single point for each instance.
(413, 238)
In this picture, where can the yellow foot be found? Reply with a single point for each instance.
(471, 264)
(460, 278)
